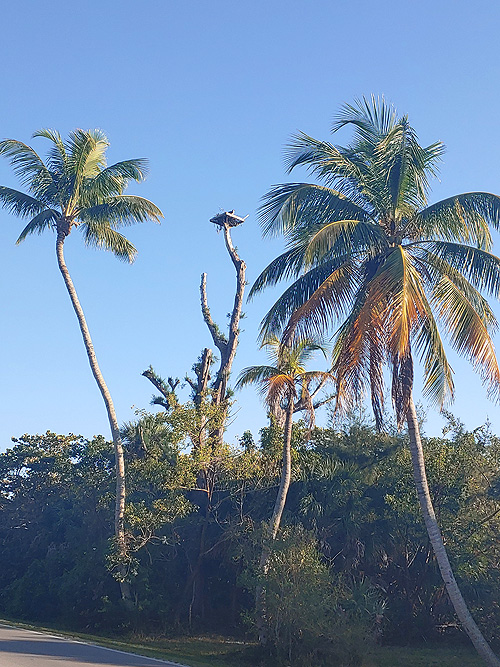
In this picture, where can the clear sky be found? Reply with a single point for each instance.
(209, 91)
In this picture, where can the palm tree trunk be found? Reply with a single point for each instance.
(274, 524)
(115, 431)
(436, 539)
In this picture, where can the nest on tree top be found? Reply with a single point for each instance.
(227, 218)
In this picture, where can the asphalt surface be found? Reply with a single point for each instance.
(25, 648)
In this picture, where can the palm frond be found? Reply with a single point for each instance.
(286, 207)
(287, 265)
(464, 218)
(20, 203)
(100, 235)
(86, 151)
(256, 375)
(325, 305)
(339, 237)
(372, 119)
(328, 163)
(303, 289)
(27, 164)
(468, 332)
(39, 224)
(480, 267)
(121, 211)
(57, 158)
(438, 374)
(111, 181)
(434, 268)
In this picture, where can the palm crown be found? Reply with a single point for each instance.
(74, 187)
(286, 378)
(368, 253)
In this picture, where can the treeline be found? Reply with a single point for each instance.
(352, 561)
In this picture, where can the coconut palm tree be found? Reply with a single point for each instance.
(286, 387)
(75, 189)
(370, 256)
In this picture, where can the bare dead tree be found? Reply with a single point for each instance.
(226, 345)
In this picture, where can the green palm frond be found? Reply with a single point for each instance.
(57, 158)
(256, 375)
(86, 152)
(340, 237)
(286, 207)
(406, 166)
(303, 289)
(463, 218)
(325, 305)
(99, 235)
(288, 265)
(20, 203)
(28, 165)
(480, 267)
(433, 269)
(121, 210)
(372, 119)
(111, 181)
(467, 331)
(332, 165)
(438, 374)
(44, 220)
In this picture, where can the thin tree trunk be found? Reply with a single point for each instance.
(115, 431)
(436, 539)
(274, 524)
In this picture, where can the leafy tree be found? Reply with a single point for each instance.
(74, 188)
(369, 254)
(284, 385)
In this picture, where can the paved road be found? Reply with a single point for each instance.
(25, 648)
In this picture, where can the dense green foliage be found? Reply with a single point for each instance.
(353, 554)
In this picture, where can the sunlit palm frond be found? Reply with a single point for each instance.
(464, 218)
(327, 162)
(121, 211)
(481, 268)
(433, 268)
(86, 151)
(438, 374)
(57, 157)
(98, 234)
(286, 207)
(326, 304)
(340, 237)
(27, 164)
(468, 332)
(302, 290)
(111, 181)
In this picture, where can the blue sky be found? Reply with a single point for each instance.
(209, 92)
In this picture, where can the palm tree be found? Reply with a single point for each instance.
(74, 188)
(285, 386)
(370, 256)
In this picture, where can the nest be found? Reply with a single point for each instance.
(227, 218)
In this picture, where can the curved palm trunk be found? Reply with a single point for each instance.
(274, 524)
(436, 539)
(115, 431)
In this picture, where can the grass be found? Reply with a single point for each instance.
(224, 652)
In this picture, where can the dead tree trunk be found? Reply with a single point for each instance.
(225, 344)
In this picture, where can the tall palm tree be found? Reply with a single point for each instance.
(75, 189)
(370, 256)
(285, 386)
